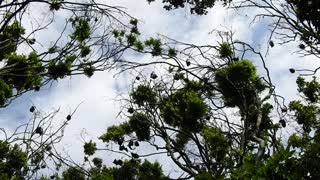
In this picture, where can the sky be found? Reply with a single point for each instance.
(97, 95)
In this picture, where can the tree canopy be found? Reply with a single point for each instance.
(206, 107)
(196, 7)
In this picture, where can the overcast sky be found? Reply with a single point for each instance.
(97, 94)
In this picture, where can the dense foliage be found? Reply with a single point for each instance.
(307, 11)
(198, 7)
(13, 161)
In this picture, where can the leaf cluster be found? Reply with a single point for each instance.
(196, 6)
(143, 94)
(13, 161)
(239, 83)
(116, 133)
(184, 109)
(9, 38)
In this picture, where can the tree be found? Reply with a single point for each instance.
(292, 20)
(186, 115)
(84, 45)
(28, 149)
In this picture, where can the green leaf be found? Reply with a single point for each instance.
(116, 133)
